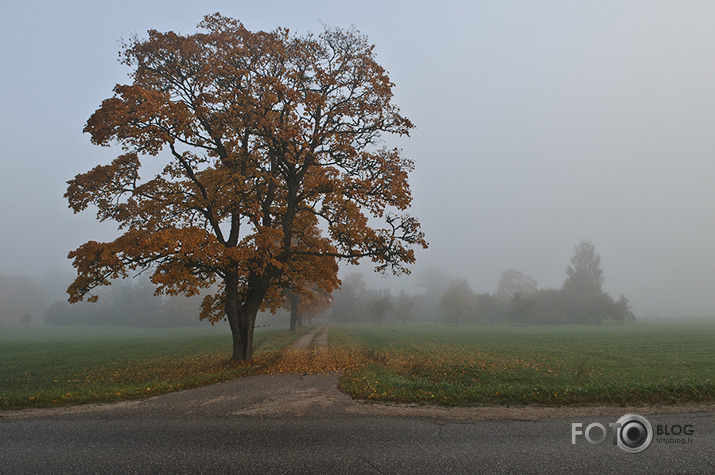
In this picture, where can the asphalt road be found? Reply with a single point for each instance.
(294, 424)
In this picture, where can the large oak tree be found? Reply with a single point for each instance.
(263, 137)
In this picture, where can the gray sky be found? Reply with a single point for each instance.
(538, 124)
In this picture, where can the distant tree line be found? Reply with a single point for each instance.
(436, 297)
(516, 300)
(26, 301)
(128, 303)
(581, 299)
(354, 303)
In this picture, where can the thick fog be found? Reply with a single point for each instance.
(538, 124)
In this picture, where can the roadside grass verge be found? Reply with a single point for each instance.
(546, 365)
(46, 367)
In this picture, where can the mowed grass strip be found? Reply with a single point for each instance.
(546, 365)
(46, 367)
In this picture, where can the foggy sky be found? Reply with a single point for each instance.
(538, 124)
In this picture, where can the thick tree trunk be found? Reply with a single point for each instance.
(242, 320)
(242, 332)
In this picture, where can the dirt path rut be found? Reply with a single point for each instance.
(319, 336)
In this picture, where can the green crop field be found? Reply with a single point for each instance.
(549, 365)
(51, 366)
(442, 364)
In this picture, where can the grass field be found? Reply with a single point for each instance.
(548, 365)
(443, 364)
(52, 366)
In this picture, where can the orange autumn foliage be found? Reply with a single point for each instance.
(271, 168)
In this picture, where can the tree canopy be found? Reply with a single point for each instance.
(273, 168)
(584, 275)
(512, 282)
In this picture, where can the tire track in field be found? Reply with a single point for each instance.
(313, 337)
